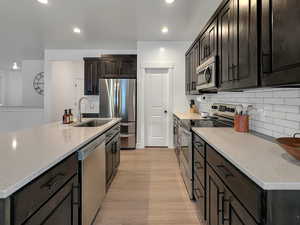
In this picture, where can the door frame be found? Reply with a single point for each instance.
(142, 95)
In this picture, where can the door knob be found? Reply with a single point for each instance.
(165, 111)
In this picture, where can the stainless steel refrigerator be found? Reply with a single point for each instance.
(118, 99)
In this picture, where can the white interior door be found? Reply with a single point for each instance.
(156, 106)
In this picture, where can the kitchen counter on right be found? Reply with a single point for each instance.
(263, 161)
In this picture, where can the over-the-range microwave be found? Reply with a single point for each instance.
(207, 75)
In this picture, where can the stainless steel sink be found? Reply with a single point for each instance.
(93, 123)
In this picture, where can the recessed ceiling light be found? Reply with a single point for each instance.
(43, 1)
(15, 67)
(76, 30)
(170, 1)
(165, 30)
(162, 49)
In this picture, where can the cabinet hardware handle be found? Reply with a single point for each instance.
(224, 171)
(223, 209)
(53, 181)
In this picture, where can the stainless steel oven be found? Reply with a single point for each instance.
(186, 157)
(207, 74)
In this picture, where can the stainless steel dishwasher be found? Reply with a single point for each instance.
(93, 179)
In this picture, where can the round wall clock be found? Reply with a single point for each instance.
(38, 83)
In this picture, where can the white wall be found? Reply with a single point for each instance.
(174, 55)
(14, 118)
(276, 110)
(13, 88)
(62, 88)
(30, 68)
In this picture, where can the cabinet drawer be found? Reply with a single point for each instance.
(199, 145)
(32, 196)
(199, 195)
(58, 210)
(246, 191)
(199, 168)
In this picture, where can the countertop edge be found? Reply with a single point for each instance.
(264, 185)
(11, 190)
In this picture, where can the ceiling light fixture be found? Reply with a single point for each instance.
(170, 1)
(43, 1)
(162, 49)
(165, 30)
(76, 30)
(15, 67)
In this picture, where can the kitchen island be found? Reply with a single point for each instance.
(43, 155)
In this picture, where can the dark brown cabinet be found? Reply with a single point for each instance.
(107, 66)
(192, 62)
(215, 191)
(188, 72)
(52, 198)
(112, 154)
(222, 206)
(280, 42)
(208, 42)
(92, 71)
(238, 45)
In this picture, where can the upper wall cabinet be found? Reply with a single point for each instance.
(280, 42)
(238, 45)
(92, 71)
(209, 42)
(192, 62)
(108, 66)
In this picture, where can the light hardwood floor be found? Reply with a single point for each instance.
(148, 190)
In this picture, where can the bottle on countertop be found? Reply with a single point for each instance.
(65, 117)
(71, 118)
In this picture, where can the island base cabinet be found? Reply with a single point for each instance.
(61, 209)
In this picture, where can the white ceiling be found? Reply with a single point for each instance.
(28, 27)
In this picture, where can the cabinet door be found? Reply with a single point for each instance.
(203, 48)
(212, 39)
(118, 152)
(195, 62)
(91, 77)
(238, 44)
(110, 67)
(232, 212)
(61, 209)
(109, 161)
(187, 72)
(128, 66)
(215, 192)
(280, 42)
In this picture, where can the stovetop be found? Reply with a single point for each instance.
(222, 115)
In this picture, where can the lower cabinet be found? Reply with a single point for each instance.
(61, 209)
(52, 198)
(222, 206)
(112, 159)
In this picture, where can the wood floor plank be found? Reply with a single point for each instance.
(148, 190)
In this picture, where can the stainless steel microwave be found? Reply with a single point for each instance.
(207, 74)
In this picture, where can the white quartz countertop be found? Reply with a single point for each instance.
(188, 116)
(28, 153)
(263, 161)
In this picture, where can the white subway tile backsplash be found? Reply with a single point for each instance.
(292, 101)
(277, 101)
(293, 117)
(286, 123)
(286, 108)
(276, 111)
